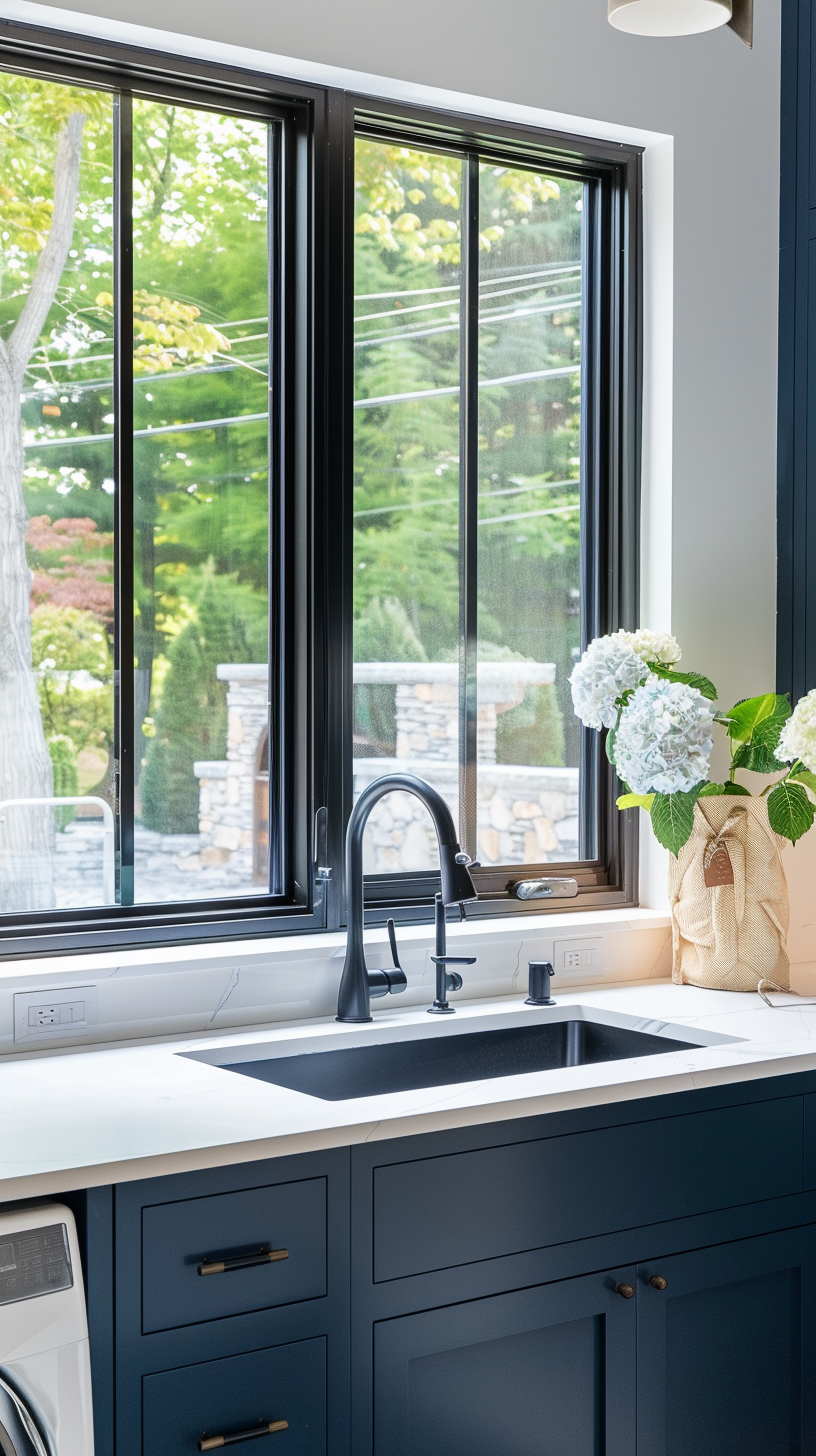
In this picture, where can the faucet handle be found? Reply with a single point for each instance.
(381, 983)
(392, 937)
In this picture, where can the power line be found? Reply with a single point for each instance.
(454, 499)
(454, 388)
(528, 515)
(483, 283)
(143, 434)
(89, 385)
(191, 425)
(536, 287)
(492, 316)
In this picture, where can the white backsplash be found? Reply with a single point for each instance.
(200, 989)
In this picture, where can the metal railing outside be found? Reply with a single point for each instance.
(108, 840)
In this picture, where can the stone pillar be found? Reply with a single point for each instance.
(227, 786)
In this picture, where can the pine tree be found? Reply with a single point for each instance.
(191, 723)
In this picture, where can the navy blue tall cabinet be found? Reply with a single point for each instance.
(796, 593)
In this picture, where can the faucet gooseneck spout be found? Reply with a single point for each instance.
(357, 983)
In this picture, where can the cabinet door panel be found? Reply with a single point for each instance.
(725, 1351)
(223, 1397)
(548, 1371)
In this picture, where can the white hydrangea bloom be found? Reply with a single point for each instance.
(798, 737)
(609, 667)
(656, 646)
(664, 741)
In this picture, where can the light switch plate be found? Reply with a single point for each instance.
(50, 1015)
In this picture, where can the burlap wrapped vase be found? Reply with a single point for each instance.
(729, 899)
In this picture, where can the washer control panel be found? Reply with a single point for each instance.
(33, 1262)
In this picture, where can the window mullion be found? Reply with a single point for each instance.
(277, 806)
(468, 501)
(125, 773)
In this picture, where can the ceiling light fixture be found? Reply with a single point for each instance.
(682, 17)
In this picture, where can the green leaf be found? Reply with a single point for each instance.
(635, 801)
(737, 789)
(745, 716)
(804, 776)
(610, 745)
(711, 791)
(767, 732)
(696, 680)
(790, 811)
(673, 818)
(756, 756)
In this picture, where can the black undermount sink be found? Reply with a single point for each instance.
(439, 1061)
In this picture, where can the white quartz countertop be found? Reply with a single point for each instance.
(80, 1118)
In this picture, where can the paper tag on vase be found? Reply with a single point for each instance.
(719, 869)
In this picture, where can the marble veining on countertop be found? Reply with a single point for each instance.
(81, 1118)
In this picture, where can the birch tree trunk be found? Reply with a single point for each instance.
(27, 834)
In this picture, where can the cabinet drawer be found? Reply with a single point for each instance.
(439, 1212)
(180, 1238)
(234, 1395)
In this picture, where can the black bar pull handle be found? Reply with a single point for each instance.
(266, 1428)
(242, 1261)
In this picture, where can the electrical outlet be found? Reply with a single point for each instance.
(576, 957)
(66, 1013)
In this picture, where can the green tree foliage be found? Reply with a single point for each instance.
(191, 724)
(201, 350)
(66, 778)
(382, 633)
(74, 667)
(200, 353)
(407, 452)
(534, 731)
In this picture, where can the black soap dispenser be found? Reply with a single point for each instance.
(538, 985)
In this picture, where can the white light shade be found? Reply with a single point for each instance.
(668, 17)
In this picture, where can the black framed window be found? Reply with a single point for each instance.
(495, 343)
(319, 429)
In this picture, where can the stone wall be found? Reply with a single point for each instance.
(227, 786)
(525, 815)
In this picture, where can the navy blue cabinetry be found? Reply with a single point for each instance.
(636, 1279)
(796, 516)
(727, 1350)
(548, 1371)
(231, 1308)
(709, 1353)
(277, 1392)
(553, 1190)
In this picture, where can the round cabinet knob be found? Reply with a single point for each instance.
(658, 1282)
(625, 1291)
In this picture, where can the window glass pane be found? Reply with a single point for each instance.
(529, 515)
(56, 496)
(201, 503)
(406, 489)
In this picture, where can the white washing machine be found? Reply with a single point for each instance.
(45, 1371)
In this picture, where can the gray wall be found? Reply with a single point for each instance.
(720, 102)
